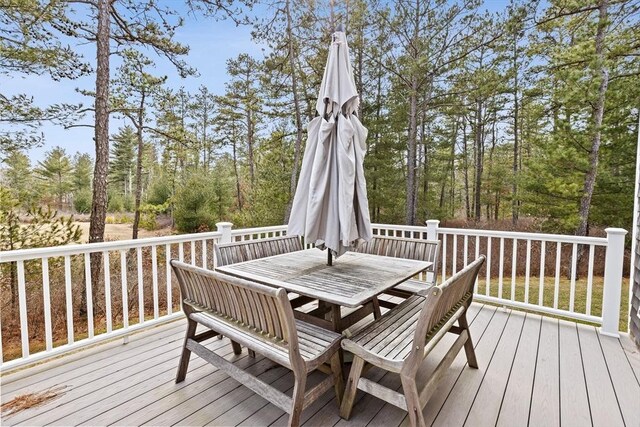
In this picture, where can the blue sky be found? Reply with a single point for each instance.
(211, 44)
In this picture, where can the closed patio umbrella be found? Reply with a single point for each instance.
(330, 207)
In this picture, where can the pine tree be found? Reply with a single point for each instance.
(54, 173)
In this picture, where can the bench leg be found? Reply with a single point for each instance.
(352, 387)
(252, 353)
(468, 345)
(336, 371)
(186, 353)
(236, 347)
(297, 401)
(416, 418)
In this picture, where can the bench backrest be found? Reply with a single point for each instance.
(262, 310)
(442, 302)
(231, 253)
(398, 247)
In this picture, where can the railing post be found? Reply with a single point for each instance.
(432, 229)
(612, 281)
(225, 229)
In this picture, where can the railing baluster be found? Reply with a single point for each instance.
(203, 245)
(488, 265)
(22, 303)
(556, 288)
(180, 252)
(193, 252)
(454, 256)
(46, 296)
(154, 277)
(501, 268)
(107, 289)
(89, 293)
(592, 249)
(125, 289)
(444, 257)
(465, 250)
(475, 286)
(68, 298)
(514, 268)
(527, 273)
(167, 254)
(140, 285)
(574, 264)
(543, 253)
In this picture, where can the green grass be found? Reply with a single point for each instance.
(564, 294)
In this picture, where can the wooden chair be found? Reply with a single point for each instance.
(260, 318)
(397, 247)
(403, 337)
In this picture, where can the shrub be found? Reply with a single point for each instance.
(197, 204)
(82, 201)
(115, 202)
(159, 191)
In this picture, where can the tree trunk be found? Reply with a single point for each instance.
(514, 189)
(101, 167)
(467, 202)
(478, 158)
(598, 113)
(250, 143)
(139, 127)
(237, 174)
(296, 106)
(411, 154)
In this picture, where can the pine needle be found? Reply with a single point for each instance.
(25, 401)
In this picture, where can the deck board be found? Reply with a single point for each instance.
(574, 401)
(602, 397)
(558, 371)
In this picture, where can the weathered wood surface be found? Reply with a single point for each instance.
(353, 279)
(98, 381)
(260, 318)
(400, 340)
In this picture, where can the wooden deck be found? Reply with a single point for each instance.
(534, 371)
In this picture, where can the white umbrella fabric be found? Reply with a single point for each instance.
(330, 207)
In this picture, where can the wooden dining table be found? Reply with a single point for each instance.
(354, 280)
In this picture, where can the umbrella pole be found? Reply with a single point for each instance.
(329, 259)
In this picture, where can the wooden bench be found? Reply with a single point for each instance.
(260, 318)
(397, 247)
(403, 337)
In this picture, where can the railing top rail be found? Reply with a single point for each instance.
(82, 248)
(601, 241)
(241, 231)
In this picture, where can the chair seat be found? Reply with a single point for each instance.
(413, 286)
(315, 343)
(390, 337)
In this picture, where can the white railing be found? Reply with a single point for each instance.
(534, 271)
(136, 288)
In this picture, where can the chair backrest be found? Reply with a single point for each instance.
(398, 247)
(263, 310)
(442, 301)
(234, 252)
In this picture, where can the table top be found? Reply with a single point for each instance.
(353, 279)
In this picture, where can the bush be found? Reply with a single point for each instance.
(197, 204)
(82, 201)
(115, 202)
(159, 191)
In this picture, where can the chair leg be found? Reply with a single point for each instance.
(468, 345)
(376, 308)
(352, 387)
(297, 401)
(336, 370)
(236, 347)
(252, 353)
(186, 353)
(416, 418)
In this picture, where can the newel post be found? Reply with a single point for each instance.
(225, 229)
(612, 281)
(432, 229)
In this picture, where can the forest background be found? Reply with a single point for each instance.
(526, 116)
